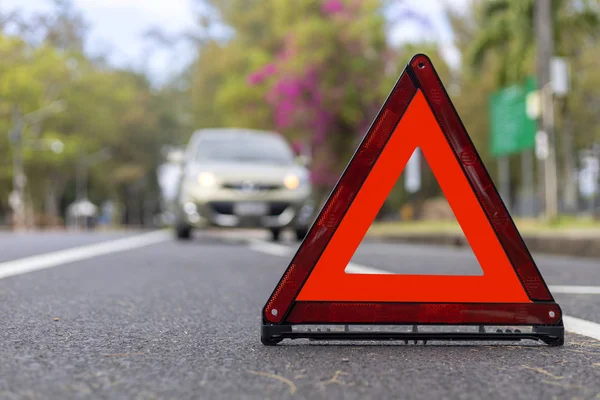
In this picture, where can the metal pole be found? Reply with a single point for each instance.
(570, 181)
(504, 178)
(528, 183)
(541, 189)
(544, 34)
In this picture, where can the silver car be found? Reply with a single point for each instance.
(242, 178)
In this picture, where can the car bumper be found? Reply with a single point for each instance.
(287, 209)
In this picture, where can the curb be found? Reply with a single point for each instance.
(565, 245)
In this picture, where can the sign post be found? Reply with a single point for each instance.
(513, 130)
(412, 181)
(588, 178)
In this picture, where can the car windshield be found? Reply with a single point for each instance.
(245, 148)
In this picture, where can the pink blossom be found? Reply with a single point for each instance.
(282, 119)
(332, 6)
(269, 69)
(255, 78)
(259, 76)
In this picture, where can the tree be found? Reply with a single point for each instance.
(311, 70)
(107, 108)
(32, 79)
(509, 33)
(501, 46)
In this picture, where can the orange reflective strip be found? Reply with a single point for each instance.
(499, 283)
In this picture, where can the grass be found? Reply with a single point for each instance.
(561, 225)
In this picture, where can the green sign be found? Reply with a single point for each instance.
(511, 129)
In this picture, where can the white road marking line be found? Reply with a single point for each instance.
(574, 289)
(582, 327)
(274, 249)
(361, 269)
(285, 251)
(53, 259)
(270, 248)
(572, 324)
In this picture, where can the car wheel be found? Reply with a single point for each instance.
(301, 233)
(275, 234)
(183, 232)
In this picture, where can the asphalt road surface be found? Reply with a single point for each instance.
(142, 316)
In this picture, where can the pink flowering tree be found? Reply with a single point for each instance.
(324, 84)
(317, 71)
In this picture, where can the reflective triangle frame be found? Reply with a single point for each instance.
(284, 311)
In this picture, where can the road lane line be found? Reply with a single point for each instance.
(53, 259)
(353, 268)
(285, 251)
(574, 325)
(568, 289)
(270, 248)
(582, 327)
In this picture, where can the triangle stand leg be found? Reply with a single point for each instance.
(271, 334)
(554, 335)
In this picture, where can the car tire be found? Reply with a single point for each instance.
(275, 234)
(183, 232)
(301, 233)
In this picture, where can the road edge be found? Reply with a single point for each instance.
(566, 245)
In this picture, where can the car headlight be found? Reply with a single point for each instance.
(206, 179)
(291, 182)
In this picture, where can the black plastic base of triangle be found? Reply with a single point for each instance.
(553, 335)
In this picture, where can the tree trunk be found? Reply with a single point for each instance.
(569, 177)
(51, 202)
(54, 191)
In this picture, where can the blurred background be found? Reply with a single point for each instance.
(95, 96)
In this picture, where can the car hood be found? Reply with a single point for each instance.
(256, 173)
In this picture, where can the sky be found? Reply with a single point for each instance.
(117, 28)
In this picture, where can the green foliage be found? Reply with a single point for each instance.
(106, 108)
(327, 77)
(497, 40)
(507, 34)
(302, 50)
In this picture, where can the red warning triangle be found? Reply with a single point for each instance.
(315, 288)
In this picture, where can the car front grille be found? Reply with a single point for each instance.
(226, 207)
(252, 187)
